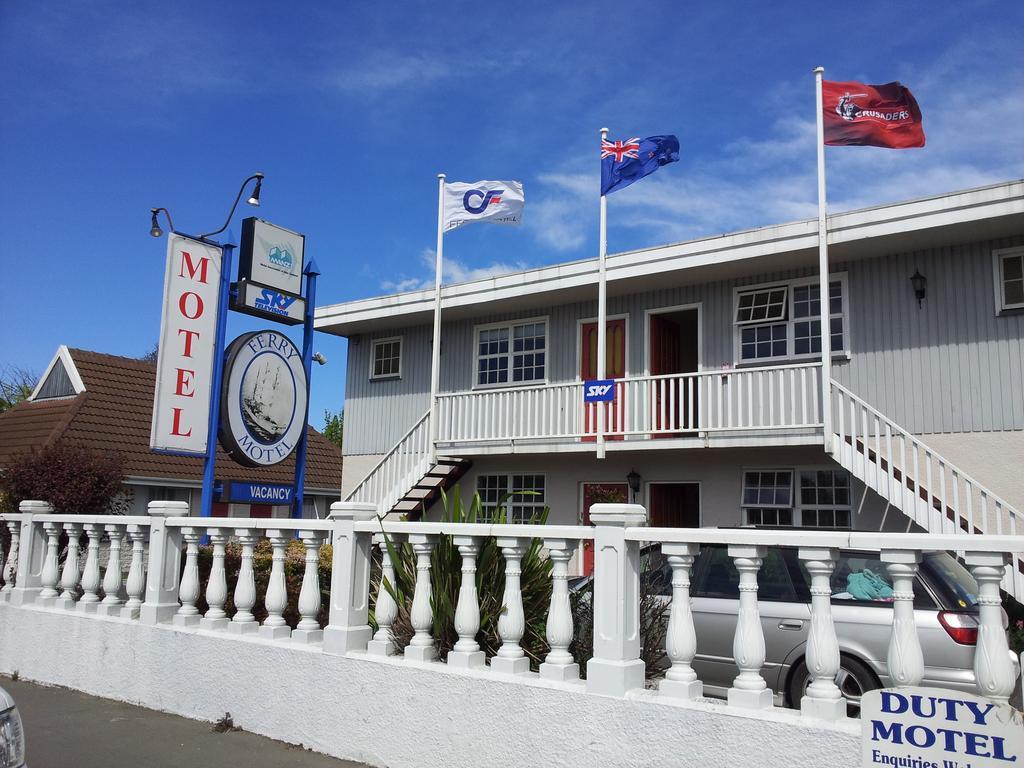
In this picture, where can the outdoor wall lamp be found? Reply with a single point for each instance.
(319, 359)
(920, 283)
(254, 200)
(154, 226)
(634, 481)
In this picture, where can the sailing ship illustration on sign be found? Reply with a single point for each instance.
(268, 398)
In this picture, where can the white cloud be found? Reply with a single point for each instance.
(454, 271)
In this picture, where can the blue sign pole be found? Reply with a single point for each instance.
(311, 272)
(206, 508)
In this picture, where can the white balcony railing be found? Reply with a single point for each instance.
(160, 591)
(728, 400)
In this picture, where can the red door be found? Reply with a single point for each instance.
(674, 505)
(666, 358)
(614, 368)
(260, 510)
(221, 509)
(599, 493)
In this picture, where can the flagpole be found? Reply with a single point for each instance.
(602, 322)
(823, 275)
(435, 356)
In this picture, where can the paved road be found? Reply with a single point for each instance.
(68, 728)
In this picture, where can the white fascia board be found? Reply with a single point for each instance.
(64, 355)
(976, 205)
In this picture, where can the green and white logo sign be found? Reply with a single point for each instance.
(271, 256)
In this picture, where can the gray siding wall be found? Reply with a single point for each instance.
(951, 366)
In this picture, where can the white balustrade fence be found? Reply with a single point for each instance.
(163, 587)
(729, 400)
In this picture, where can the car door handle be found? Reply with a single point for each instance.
(791, 624)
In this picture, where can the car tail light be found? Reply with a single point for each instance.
(962, 627)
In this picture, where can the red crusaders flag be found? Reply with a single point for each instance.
(871, 115)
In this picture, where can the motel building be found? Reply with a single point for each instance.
(105, 403)
(720, 407)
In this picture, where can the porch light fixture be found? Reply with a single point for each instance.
(154, 225)
(920, 283)
(633, 479)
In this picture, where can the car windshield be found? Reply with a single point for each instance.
(955, 578)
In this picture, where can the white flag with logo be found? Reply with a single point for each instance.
(499, 202)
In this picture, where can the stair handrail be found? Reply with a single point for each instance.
(425, 418)
(981, 489)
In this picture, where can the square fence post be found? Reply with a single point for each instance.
(28, 581)
(616, 666)
(348, 627)
(164, 562)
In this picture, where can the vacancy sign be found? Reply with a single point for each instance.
(184, 369)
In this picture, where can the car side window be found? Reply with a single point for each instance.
(861, 578)
(717, 576)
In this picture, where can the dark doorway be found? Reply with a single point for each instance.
(674, 349)
(674, 505)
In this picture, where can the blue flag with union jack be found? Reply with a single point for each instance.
(623, 162)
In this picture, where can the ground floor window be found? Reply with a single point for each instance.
(523, 496)
(823, 499)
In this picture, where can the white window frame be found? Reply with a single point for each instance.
(997, 275)
(789, 321)
(373, 357)
(509, 482)
(511, 325)
(797, 506)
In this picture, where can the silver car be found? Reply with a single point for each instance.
(945, 602)
(12, 734)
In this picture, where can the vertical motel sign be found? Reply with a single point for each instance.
(185, 361)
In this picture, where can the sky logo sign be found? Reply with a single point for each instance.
(599, 391)
(274, 302)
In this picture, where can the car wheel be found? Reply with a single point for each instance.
(854, 679)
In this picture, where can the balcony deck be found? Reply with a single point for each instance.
(778, 405)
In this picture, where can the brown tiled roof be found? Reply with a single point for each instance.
(114, 414)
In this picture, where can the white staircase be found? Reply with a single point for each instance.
(406, 480)
(915, 479)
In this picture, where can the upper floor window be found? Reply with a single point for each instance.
(1009, 272)
(521, 495)
(512, 353)
(386, 359)
(782, 322)
(823, 499)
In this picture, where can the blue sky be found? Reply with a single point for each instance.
(108, 109)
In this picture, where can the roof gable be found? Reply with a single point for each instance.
(61, 378)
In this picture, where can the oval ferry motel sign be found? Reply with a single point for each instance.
(181, 400)
(263, 403)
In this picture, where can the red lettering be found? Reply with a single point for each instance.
(176, 427)
(183, 305)
(189, 335)
(186, 378)
(186, 264)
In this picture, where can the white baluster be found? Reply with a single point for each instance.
(993, 670)
(188, 590)
(823, 698)
(275, 627)
(749, 688)
(510, 659)
(70, 575)
(559, 663)
(421, 647)
(112, 578)
(11, 566)
(136, 584)
(906, 662)
(91, 575)
(51, 566)
(386, 609)
(243, 621)
(681, 638)
(467, 653)
(217, 584)
(308, 629)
